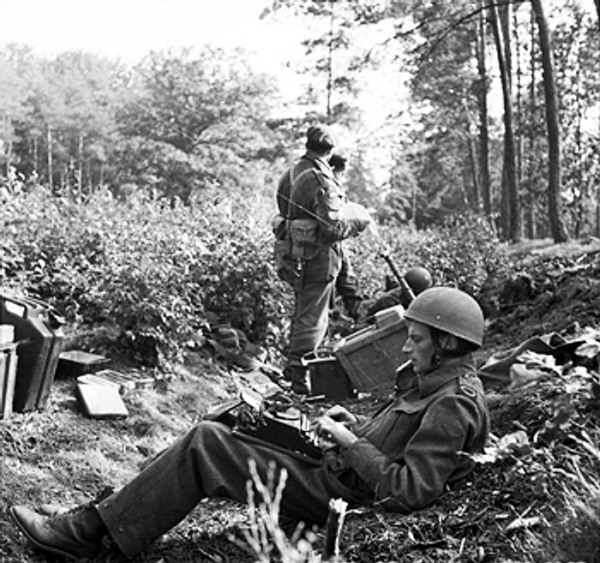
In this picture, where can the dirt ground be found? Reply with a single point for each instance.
(515, 506)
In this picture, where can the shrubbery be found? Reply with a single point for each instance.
(463, 252)
(157, 275)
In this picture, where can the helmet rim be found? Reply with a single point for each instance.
(450, 310)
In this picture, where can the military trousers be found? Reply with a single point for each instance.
(209, 461)
(347, 287)
(311, 318)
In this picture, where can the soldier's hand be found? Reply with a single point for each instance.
(334, 431)
(340, 414)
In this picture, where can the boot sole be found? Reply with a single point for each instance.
(36, 542)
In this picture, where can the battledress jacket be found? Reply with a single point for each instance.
(308, 190)
(418, 442)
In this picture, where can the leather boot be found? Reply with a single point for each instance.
(77, 533)
(353, 307)
(52, 509)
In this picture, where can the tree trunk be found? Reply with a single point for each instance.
(513, 186)
(509, 173)
(414, 207)
(35, 154)
(598, 11)
(581, 216)
(80, 166)
(557, 227)
(598, 212)
(519, 106)
(330, 62)
(49, 148)
(8, 143)
(484, 152)
(476, 197)
(531, 215)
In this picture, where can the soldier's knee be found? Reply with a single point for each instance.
(209, 434)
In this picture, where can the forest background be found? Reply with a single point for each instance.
(140, 195)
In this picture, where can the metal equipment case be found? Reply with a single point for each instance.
(39, 337)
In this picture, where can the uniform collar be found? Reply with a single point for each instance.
(318, 160)
(449, 368)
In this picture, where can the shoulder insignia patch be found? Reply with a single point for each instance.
(467, 384)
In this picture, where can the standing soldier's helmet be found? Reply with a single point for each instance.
(418, 278)
(449, 310)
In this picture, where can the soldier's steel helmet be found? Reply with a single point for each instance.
(450, 310)
(418, 278)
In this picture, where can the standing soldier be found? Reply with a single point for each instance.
(310, 201)
(346, 284)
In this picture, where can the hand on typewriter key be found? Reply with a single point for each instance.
(340, 414)
(334, 430)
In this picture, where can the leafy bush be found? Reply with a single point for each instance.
(366, 255)
(463, 252)
(156, 274)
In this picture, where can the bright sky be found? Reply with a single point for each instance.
(129, 29)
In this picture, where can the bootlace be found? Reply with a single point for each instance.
(100, 496)
(68, 514)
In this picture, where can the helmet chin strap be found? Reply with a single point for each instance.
(444, 346)
(448, 343)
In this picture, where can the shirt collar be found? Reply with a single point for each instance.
(447, 370)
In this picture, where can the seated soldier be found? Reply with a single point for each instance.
(417, 278)
(399, 459)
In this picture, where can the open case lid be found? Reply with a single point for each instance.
(100, 401)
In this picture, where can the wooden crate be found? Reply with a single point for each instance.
(372, 355)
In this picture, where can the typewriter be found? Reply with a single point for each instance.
(272, 421)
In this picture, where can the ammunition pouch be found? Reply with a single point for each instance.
(304, 232)
(304, 235)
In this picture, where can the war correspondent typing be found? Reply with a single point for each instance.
(398, 460)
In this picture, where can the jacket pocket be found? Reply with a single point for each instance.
(325, 264)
